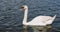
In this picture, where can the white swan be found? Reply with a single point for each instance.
(37, 21)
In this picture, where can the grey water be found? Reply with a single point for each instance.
(11, 16)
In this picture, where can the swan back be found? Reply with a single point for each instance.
(39, 20)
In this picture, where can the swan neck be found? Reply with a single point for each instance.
(25, 16)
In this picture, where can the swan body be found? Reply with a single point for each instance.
(40, 21)
(37, 21)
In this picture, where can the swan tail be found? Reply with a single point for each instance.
(51, 21)
(54, 17)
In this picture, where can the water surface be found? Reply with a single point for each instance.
(11, 17)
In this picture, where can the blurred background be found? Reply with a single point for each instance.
(11, 17)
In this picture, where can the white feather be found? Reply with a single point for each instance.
(37, 21)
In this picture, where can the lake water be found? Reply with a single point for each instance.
(11, 17)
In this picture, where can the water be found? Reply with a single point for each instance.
(11, 17)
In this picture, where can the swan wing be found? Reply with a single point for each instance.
(39, 20)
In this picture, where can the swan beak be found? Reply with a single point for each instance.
(22, 8)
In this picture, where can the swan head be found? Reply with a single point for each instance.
(24, 7)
